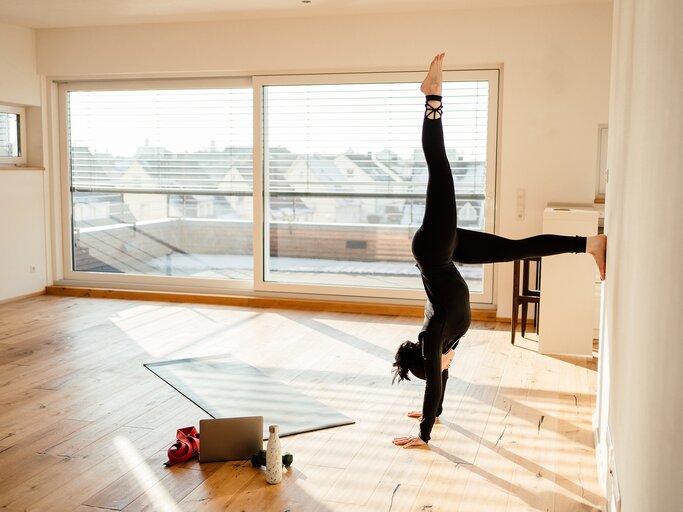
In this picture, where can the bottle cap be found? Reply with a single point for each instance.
(273, 429)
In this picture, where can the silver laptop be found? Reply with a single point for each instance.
(230, 438)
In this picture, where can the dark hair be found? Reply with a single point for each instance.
(408, 358)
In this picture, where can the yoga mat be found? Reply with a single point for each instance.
(226, 387)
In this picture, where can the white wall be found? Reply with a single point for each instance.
(644, 288)
(555, 81)
(22, 233)
(22, 207)
(18, 80)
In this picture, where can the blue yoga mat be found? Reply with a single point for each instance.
(225, 387)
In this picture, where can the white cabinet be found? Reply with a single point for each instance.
(567, 310)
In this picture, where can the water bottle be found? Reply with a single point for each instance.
(273, 456)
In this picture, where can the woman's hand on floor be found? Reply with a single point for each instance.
(418, 416)
(408, 441)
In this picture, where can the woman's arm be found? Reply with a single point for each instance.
(418, 414)
(434, 386)
(444, 381)
(409, 441)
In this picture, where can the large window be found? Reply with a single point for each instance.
(161, 181)
(292, 184)
(345, 177)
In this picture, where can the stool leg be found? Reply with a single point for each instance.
(515, 310)
(537, 306)
(515, 299)
(525, 311)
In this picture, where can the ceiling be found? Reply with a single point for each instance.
(81, 13)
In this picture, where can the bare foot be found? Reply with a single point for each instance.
(432, 82)
(597, 247)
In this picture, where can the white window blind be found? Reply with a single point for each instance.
(193, 141)
(345, 177)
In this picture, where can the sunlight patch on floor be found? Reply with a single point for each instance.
(149, 483)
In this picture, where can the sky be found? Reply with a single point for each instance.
(325, 119)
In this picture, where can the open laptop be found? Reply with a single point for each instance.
(230, 438)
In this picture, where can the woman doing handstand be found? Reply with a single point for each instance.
(436, 245)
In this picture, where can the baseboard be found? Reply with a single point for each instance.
(613, 490)
(22, 297)
(601, 462)
(508, 320)
(257, 302)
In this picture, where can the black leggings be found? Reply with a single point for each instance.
(439, 242)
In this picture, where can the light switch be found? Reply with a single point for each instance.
(521, 204)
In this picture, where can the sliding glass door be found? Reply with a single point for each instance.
(161, 181)
(294, 184)
(344, 177)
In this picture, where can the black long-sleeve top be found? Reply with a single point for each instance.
(447, 318)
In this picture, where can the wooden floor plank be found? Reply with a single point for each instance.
(77, 474)
(84, 426)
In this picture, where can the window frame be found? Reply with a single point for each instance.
(258, 286)
(180, 284)
(261, 285)
(601, 167)
(16, 161)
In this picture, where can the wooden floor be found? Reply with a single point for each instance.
(84, 426)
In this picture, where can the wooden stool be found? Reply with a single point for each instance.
(528, 295)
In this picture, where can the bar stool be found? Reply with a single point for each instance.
(527, 296)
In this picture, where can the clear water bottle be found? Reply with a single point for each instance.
(274, 456)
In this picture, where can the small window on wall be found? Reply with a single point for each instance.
(12, 136)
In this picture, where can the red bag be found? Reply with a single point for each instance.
(185, 447)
